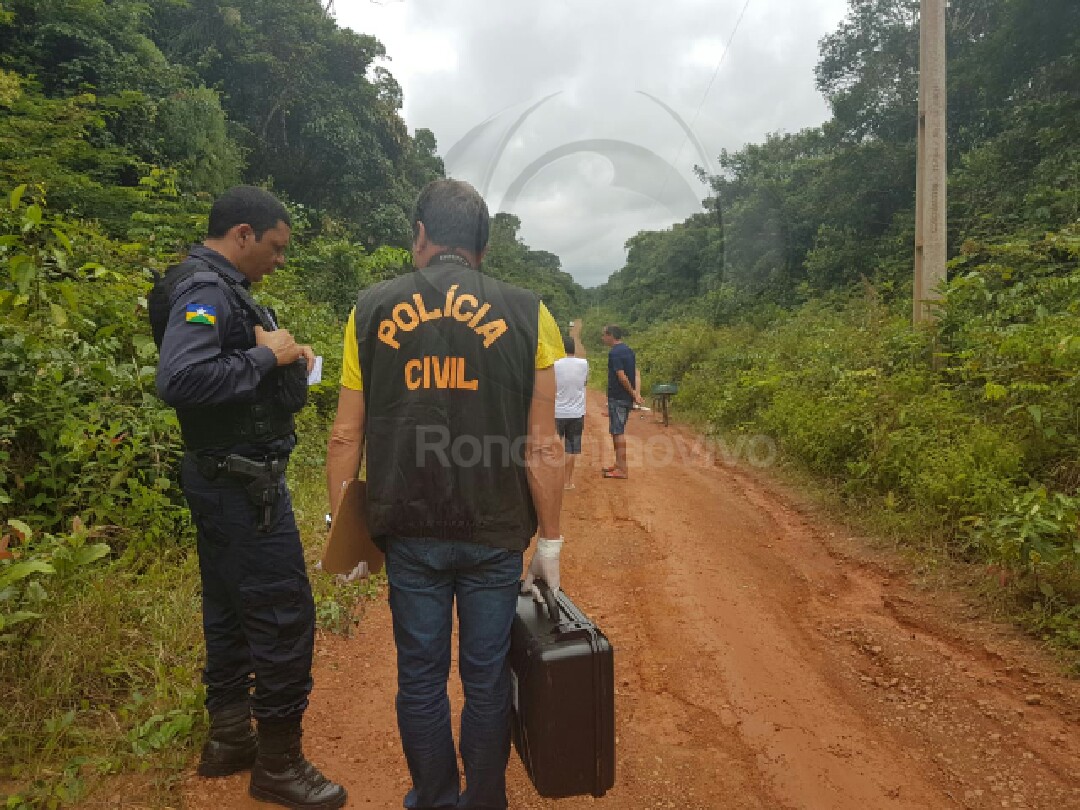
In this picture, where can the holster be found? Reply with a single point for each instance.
(260, 476)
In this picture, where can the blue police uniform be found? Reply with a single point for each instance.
(258, 611)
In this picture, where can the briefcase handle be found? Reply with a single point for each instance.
(549, 598)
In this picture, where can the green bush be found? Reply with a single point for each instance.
(971, 429)
(84, 434)
(940, 457)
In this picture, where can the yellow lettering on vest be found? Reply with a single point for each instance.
(387, 330)
(480, 313)
(461, 382)
(425, 316)
(491, 332)
(438, 372)
(458, 313)
(442, 370)
(405, 316)
(410, 382)
(408, 315)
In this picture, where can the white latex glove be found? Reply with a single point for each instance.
(543, 565)
(359, 572)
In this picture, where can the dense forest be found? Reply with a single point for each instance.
(782, 308)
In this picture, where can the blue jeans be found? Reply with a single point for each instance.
(426, 576)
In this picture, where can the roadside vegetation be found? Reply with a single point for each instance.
(784, 309)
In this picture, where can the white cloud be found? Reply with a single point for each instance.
(706, 52)
(463, 62)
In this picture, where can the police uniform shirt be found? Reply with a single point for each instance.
(193, 370)
(208, 356)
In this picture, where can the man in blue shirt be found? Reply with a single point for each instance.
(622, 371)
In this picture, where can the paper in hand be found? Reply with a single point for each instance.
(315, 377)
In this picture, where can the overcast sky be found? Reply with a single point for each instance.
(585, 118)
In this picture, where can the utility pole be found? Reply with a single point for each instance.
(930, 178)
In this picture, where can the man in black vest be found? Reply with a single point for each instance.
(448, 378)
(236, 380)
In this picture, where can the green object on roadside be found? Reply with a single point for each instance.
(665, 388)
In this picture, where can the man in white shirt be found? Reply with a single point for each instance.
(571, 375)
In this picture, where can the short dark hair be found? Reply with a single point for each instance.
(568, 344)
(246, 205)
(454, 215)
(613, 330)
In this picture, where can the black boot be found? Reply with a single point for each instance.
(284, 776)
(232, 746)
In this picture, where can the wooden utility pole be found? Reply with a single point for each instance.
(930, 189)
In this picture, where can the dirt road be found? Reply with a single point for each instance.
(764, 659)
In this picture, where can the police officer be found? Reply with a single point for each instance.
(448, 378)
(236, 380)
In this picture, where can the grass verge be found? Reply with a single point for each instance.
(105, 696)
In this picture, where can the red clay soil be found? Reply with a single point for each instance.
(763, 659)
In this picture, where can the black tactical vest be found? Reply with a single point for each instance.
(267, 418)
(448, 357)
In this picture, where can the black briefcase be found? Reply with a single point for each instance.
(563, 690)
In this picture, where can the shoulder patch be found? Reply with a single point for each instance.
(201, 313)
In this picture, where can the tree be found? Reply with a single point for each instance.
(138, 109)
(193, 135)
(868, 70)
(316, 116)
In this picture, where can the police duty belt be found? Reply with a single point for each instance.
(262, 478)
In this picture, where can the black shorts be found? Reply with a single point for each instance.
(571, 430)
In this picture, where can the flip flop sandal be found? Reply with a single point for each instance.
(615, 474)
(608, 469)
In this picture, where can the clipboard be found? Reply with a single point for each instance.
(350, 542)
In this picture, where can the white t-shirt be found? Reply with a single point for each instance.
(571, 374)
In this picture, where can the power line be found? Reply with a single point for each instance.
(704, 96)
(719, 63)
